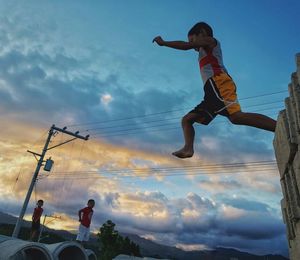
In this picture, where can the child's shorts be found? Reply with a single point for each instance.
(35, 226)
(220, 98)
(83, 233)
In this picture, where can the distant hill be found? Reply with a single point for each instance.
(7, 219)
(7, 223)
(152, 249)
(149, 248)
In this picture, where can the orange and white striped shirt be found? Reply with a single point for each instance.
(211, 63)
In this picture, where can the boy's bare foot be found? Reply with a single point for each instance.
(183, 153)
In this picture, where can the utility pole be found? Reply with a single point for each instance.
(52, 131)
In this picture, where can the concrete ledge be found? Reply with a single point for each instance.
(294, 107)
(292, 120)
(298, 64)
(285, 150)
(67, 250)
(296, 168)
(17, 249)
(295, 243)
(292, 195)
(127, 257)
(90, 254)
(289, 232)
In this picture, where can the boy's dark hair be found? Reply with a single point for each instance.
(91, 200)
(40, 201)
(196, 29)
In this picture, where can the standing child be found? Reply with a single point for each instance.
(220, 96)
(36, 219)
(85, 218)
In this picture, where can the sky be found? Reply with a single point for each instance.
(92, 66)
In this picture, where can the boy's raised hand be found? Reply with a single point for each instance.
(158, 40)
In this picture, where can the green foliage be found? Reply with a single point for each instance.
(7, 230)
(113, 244)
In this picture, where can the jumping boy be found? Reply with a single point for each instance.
(220, 96)
(36, 219)
(85, 218)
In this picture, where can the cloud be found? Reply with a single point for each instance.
(42, 85)
(106, 99)
(199, 221)
(216, 184)
(191, 219)
(247, 204)
(192, 247)
(43, 81)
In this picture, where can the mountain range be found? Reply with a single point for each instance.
(149, 248)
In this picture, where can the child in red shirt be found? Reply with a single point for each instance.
(36, 217)
(85, 218)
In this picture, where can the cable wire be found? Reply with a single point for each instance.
(128, 131)
(166, 112)
(255, 166)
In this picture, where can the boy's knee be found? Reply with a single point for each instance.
(235, 118)
(191, 119)
(187, 119)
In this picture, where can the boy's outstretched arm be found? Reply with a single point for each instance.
(179, 45)
(182, 45)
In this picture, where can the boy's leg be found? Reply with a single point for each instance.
(79, 237)
(34, 231)
(253, 119)
(86, 237)
(32, 235)
(189, 134)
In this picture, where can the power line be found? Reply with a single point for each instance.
(264, 95)
(157, 172)
(136, 130)
(169, 119)
(165, 112)
(185, 167)
(170, 171)
(117, 132)
(92, 176)
(123, 125)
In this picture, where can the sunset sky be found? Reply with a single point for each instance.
(92, 66)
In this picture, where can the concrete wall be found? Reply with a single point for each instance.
(287, 151)
(90, 254)
(17, 249)
(127, 257)
(68, 250)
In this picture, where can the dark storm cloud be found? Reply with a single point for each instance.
(188, 220)
(264, 227)
(247, 204)
(211, 219)
(255, 229)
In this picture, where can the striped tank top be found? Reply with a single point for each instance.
(211, 63)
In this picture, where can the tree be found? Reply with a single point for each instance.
(113, 244)
(108, 240)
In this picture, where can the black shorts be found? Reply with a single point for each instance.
(219, 99)
(35, 226)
